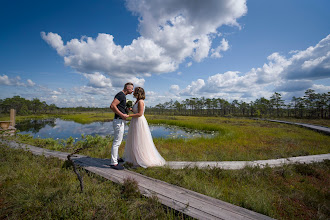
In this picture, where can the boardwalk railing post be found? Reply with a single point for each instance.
(12, 117)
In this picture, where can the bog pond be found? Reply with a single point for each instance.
(61, 129)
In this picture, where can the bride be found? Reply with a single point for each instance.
(140, 149)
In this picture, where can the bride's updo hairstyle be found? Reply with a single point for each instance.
(139, 93)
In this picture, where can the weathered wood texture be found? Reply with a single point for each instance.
(12, 117)
(318, 128)
(235, 165)
(189, 202)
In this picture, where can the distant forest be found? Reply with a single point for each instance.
(27, 107)
(24, 106)
(311, 105)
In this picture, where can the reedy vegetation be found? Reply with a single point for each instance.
(297, 191)
(32, 185)
(235, 139)
(288, 192)
(36, 187)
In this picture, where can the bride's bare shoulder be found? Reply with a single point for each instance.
(141, 101)
(138, 102)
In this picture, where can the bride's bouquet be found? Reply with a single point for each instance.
(129, 105)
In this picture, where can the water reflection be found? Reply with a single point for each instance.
(34, 126)
(61, 129)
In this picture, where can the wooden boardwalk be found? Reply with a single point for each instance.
(186, 201)
(318, 128)
(235, 165)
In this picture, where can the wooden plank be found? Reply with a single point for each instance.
(12, 117)
(189, 202)
(234, 165)
(176, 197)
(318, 128)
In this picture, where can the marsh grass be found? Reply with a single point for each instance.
(239, 139)
(36, 187)
(88, 117)
(94, 146)
(297, 191)
(83, 118)
(27, 117)
(235, 139)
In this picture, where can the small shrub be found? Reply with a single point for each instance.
(69, 142)
(130, 189)
(306, 170)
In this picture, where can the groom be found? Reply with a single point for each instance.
(118, 106)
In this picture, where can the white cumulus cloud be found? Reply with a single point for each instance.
(30, 82)
(4, 80)
(312, 63)
(291, 76)
(224, 46)
(171, 31)
(194, 88)
(98, 80)
(16, 81)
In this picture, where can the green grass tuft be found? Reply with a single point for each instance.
(297, 191)
(234, 140)
(36, 187)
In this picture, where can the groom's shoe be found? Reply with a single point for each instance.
(117, 167)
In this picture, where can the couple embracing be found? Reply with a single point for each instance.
(139, 149)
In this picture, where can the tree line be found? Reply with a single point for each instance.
(35, 106)
(25, 107)
(311, 105)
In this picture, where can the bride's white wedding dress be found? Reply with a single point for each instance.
(140, 149)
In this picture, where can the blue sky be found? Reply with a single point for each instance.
(80, 53)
